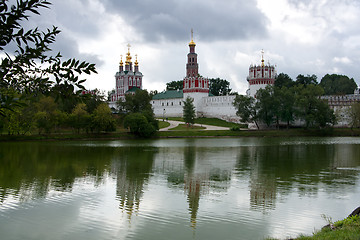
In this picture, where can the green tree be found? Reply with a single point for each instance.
(47, 115)
(102, 119)
(31, 68)
(175, 85)
(267, 105)
(246, 109)
(138, 102)
(283, 80)
(80, 118)
(286, 100)
(189, 111)
(311, 108)
(354, 114)
(336, 84)
(139, 125)
(219, 87)
(306, 80)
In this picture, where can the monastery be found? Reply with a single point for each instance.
(170, 103)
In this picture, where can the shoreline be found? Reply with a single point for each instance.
(331, 132)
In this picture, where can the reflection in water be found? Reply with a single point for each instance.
(224, 182)
(132, 167)
(30, 170)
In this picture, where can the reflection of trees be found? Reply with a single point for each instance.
(30, 169)
(133, 167)
(282, 169)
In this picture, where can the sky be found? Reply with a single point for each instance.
(298, 37)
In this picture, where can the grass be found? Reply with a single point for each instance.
(163, 124)
(184, 127)
(211, 121)
(348, 228)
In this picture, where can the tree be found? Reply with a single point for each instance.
(283, 80)
(102, 119)
(80, 118)
(189, 111)
(139, 103)
(31, 68)
(267, 105)
(286, 100)
(311, 108)
(139, 125)
(246, 109)
(354, 114)
(335, 84)
(306, 80)
(175, 85)
(219, 87)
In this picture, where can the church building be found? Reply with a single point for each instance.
(127, 79)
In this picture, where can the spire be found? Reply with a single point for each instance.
(128, 56)
(121, 62)
(262, 58)
(192, 43)
(136, 61)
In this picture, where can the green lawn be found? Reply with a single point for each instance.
(184, 127)
(211, 121)
(349, 229)
(163, 124)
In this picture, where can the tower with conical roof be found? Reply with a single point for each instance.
(128, 79)
(260, 76)
(194, 85)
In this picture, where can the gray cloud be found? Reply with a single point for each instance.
(211, 20)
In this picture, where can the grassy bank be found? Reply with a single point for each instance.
(338, 132)
(349, 229)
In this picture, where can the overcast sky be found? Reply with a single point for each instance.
(299, 37)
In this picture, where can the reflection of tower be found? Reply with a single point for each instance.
(132, 174)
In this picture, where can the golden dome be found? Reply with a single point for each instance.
(192, 43)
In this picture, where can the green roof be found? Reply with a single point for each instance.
(169, 94)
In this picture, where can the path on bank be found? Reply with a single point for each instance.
(174, 124)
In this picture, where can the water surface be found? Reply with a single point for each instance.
(227, 188)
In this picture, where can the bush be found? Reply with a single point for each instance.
(139, 125)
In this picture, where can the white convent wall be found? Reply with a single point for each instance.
(220, 107)
(172, 107)
(214, 107)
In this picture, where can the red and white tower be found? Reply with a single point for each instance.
(193, 82)
(260, 76)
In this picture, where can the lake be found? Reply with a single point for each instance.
(201, 188)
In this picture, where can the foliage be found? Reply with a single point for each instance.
(336, 84)
(189, 110)
(31, 69)
(139, 125)
(354, 114)
(283, 80)
(268, 105)
(306, 80)
(139, 104)
(80, 118)
(311, 109)
(175, 85)
(102, 119)
(219, 87)
(47, 117)
(246, 109)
